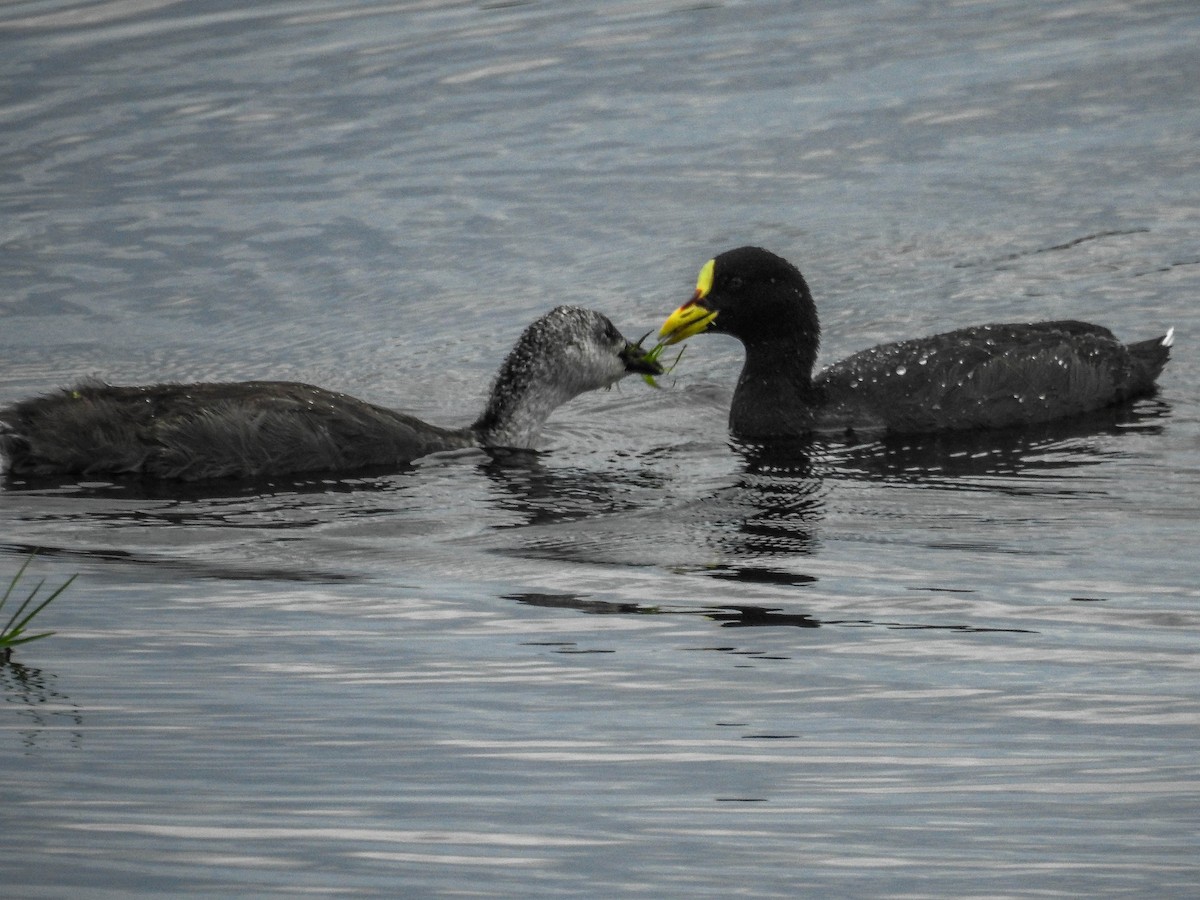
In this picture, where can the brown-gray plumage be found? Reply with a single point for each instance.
(255, 428)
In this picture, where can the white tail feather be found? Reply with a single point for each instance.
(1169, 338)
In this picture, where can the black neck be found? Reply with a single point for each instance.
(775, 395)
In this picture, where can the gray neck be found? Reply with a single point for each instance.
(518, 408)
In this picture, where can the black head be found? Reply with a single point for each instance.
(752, 294)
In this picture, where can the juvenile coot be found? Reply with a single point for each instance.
(252, 428)
(988, 376)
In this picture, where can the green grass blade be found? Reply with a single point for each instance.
(26, 640)
(20, 626)
(653, 355)
(12, 584)
(13, 633)
(21, 608)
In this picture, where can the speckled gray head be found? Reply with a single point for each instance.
(563, 354)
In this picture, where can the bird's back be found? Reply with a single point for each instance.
(989, 376)
(197, 431)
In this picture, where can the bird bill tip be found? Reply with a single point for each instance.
(690, 319)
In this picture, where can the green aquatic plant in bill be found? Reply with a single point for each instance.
(13, 633)
(653, 354)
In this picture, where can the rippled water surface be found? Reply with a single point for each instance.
(644, 661)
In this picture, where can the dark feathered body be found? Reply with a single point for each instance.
(196, 431)
(254, 428)
(987, 376)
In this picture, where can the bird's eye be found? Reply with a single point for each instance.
(735, 283)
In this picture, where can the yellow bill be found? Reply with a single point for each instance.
(693, 317)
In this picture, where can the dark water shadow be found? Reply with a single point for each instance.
(214, 512)
(520, 483)
(773, 508)
(44, 710)
(541, 495)
(233, 570)
(290, 509)
(628, 517)
(135, 488)
(970, 460)
(994, 261)
(756, 574)
(776, 504)
(770, 511)
(763, 521)
(738, 615)
(537, 493)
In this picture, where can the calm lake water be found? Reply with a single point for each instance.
(645, 661)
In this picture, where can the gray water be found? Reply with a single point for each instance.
(645, 661)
